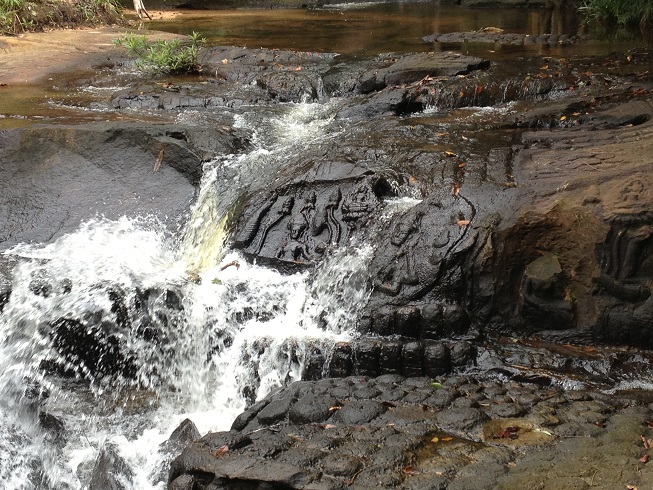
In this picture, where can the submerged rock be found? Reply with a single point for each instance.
(501, 38)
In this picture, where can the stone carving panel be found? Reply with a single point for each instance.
(295, 224)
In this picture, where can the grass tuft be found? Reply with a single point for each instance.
(625, 13)
(159, 57)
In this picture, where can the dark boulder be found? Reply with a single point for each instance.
(63, 175)
(415, 67)
(312, 409)
(111, 471)
(501, 38)
(243, 65)
(184, 434)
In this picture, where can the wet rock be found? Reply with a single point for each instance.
(415, 67)
(501, 38)
(508, 3)
(464, 421)
(275, 410)
(245, 65)
(543, 294)
(390, 357)
(100, 168)
(289, 86)
(358, 412)
(5, 287)
(462, 353)
(294, 224)
(369, 442)
(183, 482)
(437, 359)
(312, 409)
(111, 471)
(340, 364)
(341, 465)
(55, 427)
(95, 350)
(411, 357)
(366, 357)
(184, 434)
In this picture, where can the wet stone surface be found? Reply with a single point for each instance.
(398, 432)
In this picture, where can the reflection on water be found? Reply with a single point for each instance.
(367, 30)
(354, 30)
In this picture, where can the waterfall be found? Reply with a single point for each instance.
(115, 333)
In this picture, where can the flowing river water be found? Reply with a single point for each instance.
(230, 331)
(241, 331)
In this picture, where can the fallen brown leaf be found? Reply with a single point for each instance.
(511, 432)
(221, 451)
(644, 459)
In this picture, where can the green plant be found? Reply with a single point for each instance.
(11, 5)
(11, 20)
(622, 12)
(175, 56)
(25, 15)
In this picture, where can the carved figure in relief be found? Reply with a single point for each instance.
(277, 215)
(324, 218)
(358, 205)
(249, 231)
(402, 270)
(294, 249)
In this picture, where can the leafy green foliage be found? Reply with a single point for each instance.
(623, 12)
(27, 15)
(11, 15)
(157, 57)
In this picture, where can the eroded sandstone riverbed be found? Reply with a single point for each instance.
(477, 214)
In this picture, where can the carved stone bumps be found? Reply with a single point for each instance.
(422, 247)
(298, 222)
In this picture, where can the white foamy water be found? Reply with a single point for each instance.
(243, 331)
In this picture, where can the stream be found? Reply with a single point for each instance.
(210, 331)
(239, 331)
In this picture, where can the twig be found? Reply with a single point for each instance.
(159, 160)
